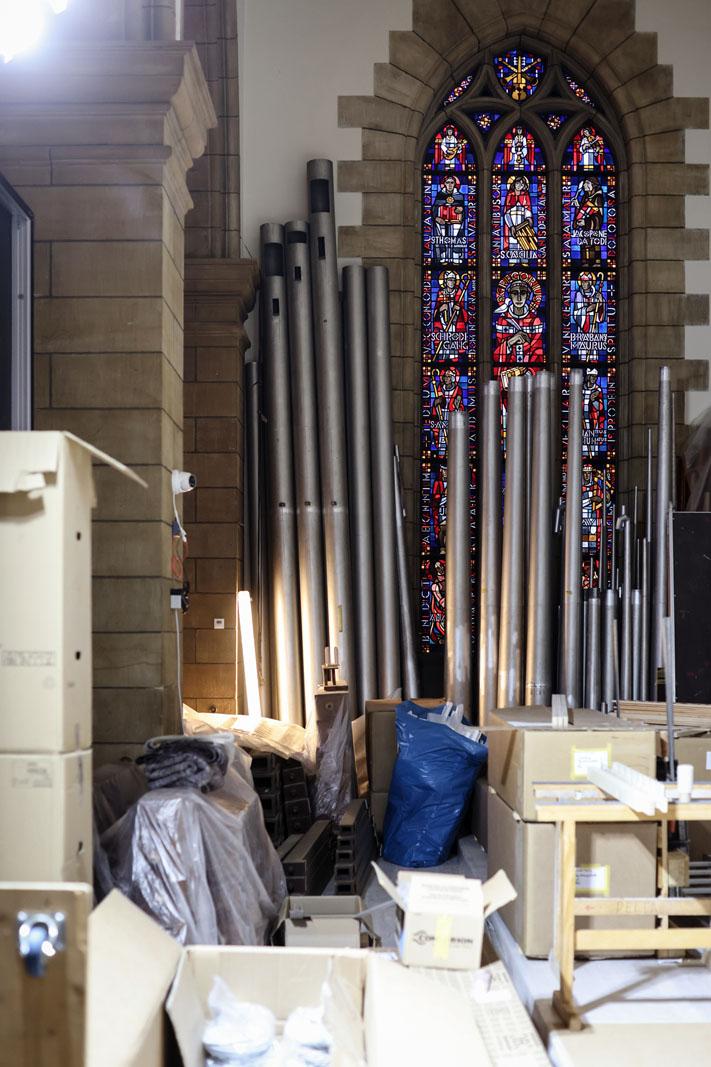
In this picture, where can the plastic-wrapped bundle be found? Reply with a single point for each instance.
(330, 745)
(697, 463)
(176, 761)
(202, 865)
(116, 787)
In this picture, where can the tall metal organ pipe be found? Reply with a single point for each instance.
(331, 405)
(458, 653)
(387, 617)
(512, 554)
(355, 337)
(286, 682)
(490, 574)
(539, 678)
(256, 577)
(625, 524)
(410, 678)
(570, 681)
(309, 517)
(659, 541)
(592, 650)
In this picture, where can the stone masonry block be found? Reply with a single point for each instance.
(377, 145)
(394, 84)
(441, 24)
(99, 324)
(377, 114)
(377, 176)
(107, 268)
(410, 53)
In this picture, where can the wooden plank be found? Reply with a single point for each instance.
(565, 942)
(662, 906)
(639, 791)
(613, 811)
(549, 790)
(642, 940)
(42, 1019)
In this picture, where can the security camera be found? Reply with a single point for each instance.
(183, 481)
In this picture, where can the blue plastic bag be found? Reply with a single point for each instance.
(433, 778)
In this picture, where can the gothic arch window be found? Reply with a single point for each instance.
(520, 253)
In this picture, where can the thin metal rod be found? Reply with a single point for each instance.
(592, 650)
(670, 646)
(572, 558)
(528, 398)
(355, 338)
(309, 514)
(636, 612)
(539, 652)
(489, 587)
(387, 621)
(512, 555)
(331, 405)
(649, 492)
(411, 683)
(644, 628)
(285, 618)
(663, 498)
(458, 657)
(624, 523)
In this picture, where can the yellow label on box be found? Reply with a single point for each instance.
(442, 937)
(592, 880)
(581, 759)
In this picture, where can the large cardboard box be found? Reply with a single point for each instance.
(613, 860)
(385, 1012)
(45, 817)
(46, 497)
(381, 742)
(322, 922)
(524, 748)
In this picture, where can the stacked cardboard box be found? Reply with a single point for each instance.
(381, 751)
(612, 860)
(46, 497)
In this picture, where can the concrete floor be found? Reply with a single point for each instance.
(633, 1009)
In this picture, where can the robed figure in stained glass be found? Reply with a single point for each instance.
(450, 150)
(589, 308)
(448, 397)
(518, 328)
(448, 213)
(594, 413)
(437, 606)
(588, 206)
(519, 233)
(450, 315)
(519, 150)
(588, 149)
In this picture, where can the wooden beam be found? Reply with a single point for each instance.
(641, 940)
(642, 906)
(640, 791)
(613, 811)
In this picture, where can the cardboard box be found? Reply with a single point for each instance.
(322, 922)
(378, 807)
(46, 497)
(479, 807)
(407, 1016)
(441, 916)
(524, 749)
(381, 742)
(614, 859)
(45, 817)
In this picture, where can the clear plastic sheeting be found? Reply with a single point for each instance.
(116, 787)
(330, 746)
(259, 735)
(201, 865)
(697, 463)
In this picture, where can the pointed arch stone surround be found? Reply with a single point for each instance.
(600, 36)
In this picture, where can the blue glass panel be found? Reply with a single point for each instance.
(519, 73)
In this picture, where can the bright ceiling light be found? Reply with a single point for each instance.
(22, 23)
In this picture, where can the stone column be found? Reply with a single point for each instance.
(97, 139)
(219, 294)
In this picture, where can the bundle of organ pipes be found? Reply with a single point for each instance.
(326, 545)
(611, 638)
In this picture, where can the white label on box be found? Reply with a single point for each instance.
(592, 880)
(31, 774)
(581, 759)
(708, 761)
(27, 658)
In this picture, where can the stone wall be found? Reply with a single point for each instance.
(600, 35)
(97, 138)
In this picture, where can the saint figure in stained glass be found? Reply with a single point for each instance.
(519, 234)
(437, 606)
(589, 304)
(447, 396)
(588, 151)
(517, 326)
(594, 437)
(588, 204)
(448, 210)
(519, 73)
(450, 149)
(450, 314)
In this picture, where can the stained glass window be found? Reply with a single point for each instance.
(514, 327)
(458, 90)
(589, 273)
(485, 119)
(449, 340)
(554, 119)
(519, 73)
(578, 90)
(518, 253)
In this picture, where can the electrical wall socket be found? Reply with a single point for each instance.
(218, 624)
